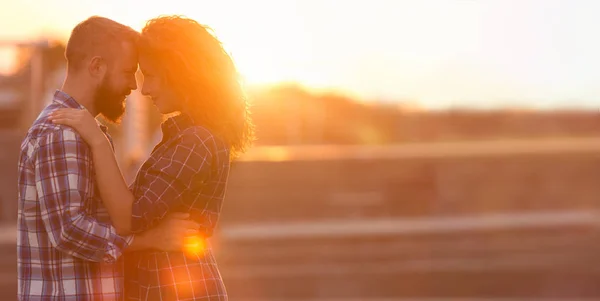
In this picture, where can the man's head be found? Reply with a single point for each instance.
(103, 55)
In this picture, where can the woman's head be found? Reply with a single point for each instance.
(186, 69)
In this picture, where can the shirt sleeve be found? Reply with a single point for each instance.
(64, 183)
(162, 188)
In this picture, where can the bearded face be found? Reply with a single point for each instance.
(109, 99)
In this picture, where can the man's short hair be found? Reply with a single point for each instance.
(97, 36)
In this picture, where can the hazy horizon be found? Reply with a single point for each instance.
(479, 54)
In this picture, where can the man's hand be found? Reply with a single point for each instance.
(169, 235)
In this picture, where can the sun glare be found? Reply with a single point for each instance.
(434, 54)
(194, 245)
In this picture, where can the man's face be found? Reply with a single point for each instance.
(118, 82)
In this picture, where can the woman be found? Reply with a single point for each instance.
(185, 70)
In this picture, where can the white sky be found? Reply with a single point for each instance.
(479, 53)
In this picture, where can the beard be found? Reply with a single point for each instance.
(109, 102)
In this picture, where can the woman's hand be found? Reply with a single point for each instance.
(83, 122)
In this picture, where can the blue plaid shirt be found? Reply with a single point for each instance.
(66, 246)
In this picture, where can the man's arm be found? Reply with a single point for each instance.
(64, 181)
(142, 241)
(169, 235)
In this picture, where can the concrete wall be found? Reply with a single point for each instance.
(412, 187)
(467, 227)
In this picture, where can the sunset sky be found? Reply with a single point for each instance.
(480, 53)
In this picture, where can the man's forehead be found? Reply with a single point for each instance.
(128, 46)
(128, 54)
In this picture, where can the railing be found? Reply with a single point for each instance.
(409, 226)
(503, 147)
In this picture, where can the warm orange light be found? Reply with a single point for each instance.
(194, 245)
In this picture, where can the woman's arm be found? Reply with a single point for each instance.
(115, 194)
(188, 161)
(113, 190)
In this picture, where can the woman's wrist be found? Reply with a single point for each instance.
(99, 141)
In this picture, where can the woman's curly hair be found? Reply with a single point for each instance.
(195, 65)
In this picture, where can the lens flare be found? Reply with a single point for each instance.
(194, 245)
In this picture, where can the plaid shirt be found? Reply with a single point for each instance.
(186, 172)
(67, 249)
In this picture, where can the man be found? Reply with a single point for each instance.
(67, 248)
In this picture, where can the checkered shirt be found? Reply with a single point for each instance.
(186, 172)
(67, 249)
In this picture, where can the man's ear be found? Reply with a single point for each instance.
(97, 66)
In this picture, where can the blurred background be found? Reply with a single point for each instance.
(407, 150)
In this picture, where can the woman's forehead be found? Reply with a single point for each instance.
(146, 64)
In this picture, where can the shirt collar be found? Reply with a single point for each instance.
(176, 124)
(65, 100)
